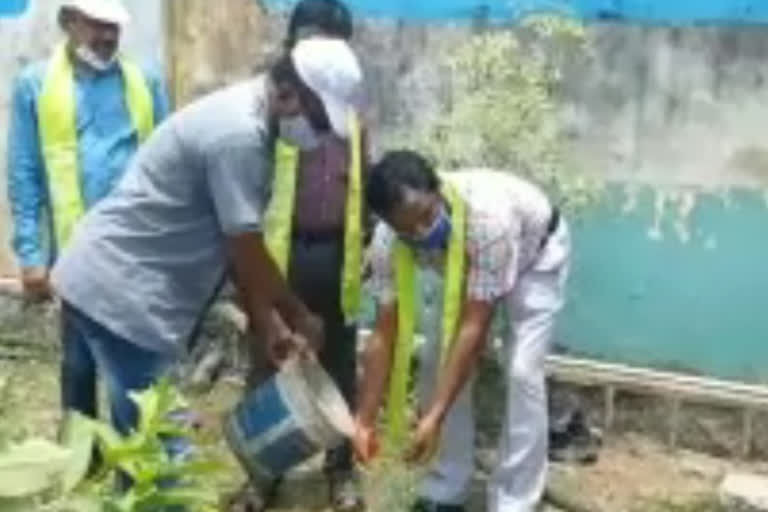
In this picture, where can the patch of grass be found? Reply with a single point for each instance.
(704, 503)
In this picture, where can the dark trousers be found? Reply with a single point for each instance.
(315, 275)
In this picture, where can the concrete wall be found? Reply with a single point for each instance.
(212, 47)
(668, 266)
(683, 106)
(672, 106)
(634, 11)
(30, 36)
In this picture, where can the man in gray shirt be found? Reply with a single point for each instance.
(145, 263)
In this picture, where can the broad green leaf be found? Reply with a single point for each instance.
(32, 467)
(78, 437)
(17, 504)
(106, 436)
(128, 502)
(80, 504)
(182, 496)
(193, 469)
(148, 403)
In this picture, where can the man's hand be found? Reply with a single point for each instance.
(310, 330)
(461, 360)
(278, 340)
(425, 440)
(35, 283)
(281, 342)
(365, 442)
(262, 289)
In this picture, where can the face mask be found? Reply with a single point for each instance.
(86, 55)
(298, 131)
(437, 235)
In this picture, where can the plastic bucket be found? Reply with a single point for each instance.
(288, 419)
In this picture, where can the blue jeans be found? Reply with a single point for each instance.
(125, 366)
(88, 346)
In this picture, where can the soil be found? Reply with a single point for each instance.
(634, 473)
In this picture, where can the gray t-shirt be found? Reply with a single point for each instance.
(146, 261)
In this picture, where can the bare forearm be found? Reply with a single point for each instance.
(459, 366)
(377, 363)
(260, 285)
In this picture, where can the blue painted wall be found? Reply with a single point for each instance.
(13, 7)
(690, 295)
(656, 289)
(644, 11)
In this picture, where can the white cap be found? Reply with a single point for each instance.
(108, 11)
(329, 67)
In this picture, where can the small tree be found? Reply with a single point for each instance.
(503, 106)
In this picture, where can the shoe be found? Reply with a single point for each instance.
(424, 505)
(344, 492)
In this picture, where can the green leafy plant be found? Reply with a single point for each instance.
(389, 483)
(502, 108)
(45, 476)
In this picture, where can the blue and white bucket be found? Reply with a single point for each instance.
(291, 417)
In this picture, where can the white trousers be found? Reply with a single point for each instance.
(518, 481)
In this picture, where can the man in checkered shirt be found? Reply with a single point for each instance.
(517, 255)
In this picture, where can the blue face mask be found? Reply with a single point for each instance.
(438, 234)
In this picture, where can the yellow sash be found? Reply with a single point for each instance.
(405, 276)
(279, 216)
(58, 135)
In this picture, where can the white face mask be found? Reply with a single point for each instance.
(298, 131)
(87, 56)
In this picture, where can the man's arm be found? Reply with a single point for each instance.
(467, 349)
(160, 97)
(379, 349)
(26, 188)
(377, 364)
(492, 260)
(236, 174)
(260, 285)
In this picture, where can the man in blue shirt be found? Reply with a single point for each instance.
(105, 127)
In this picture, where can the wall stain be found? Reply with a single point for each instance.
(671, 207)
(655, 231)
(686, 204)
(631, 199)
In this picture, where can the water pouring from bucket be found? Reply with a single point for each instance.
(296, 414)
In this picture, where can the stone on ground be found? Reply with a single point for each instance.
(742, 492)
(702, 466)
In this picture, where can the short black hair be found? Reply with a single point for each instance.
(396, 170)
(329, 17)
(283, 72)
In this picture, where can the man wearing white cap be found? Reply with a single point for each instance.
(146, 262)
(77, 118)
(318, 228)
